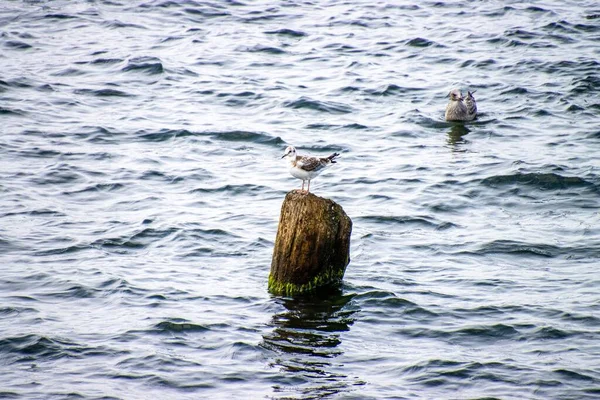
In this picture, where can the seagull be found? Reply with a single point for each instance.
(307, 167)
(461, 108)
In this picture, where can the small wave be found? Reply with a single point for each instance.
(179, 326)
(376, 294)
(349, 89)
(9, 312)
(19, 83)
(336, 127)
(246, 93)
(60, 16)
(30, 347)
(521, 34)
(234, 189)
(116, 24)
(163, 134)
(323, 106)
(515, 43)
(432, 365)
(344, 48)
(61, 250)
(587, 28)
(239, 99)
(69, 72)
(409, 220)
(149, 235)
(574, 108)
(587, 84)
(560, 26)
(498, 40)
(46, 88)
(542, 113)
(514, 91)
(418, 118)
(229, 136)
(98, 134)
(105, 61)
(567, 67)
(74, 292)
(545, 181)
(103, 92)
(558, 39)
(520, 248)
(535, 9)
(245, 136)
(388, 300)
(207, 12)
(60, 174)
(479, 64)
(325, 148)
(148, 65)
(207, 233)
(422, 42)
(392, 89)
(11, 111)
(574, 375)
(17, 44)
(486, 331)
(265, 49)
(139, 240)
(549, 333)
(160, 176)
(587, 320)
(474, 333)
(286, 32)
(99, 187)
(487, 311)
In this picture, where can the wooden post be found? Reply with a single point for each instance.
(312, 247)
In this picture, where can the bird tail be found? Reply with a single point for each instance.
(471, 104)
(332, 157)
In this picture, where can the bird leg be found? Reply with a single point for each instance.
(308, 190)
(302, 186)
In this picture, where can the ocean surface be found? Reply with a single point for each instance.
(141, 182)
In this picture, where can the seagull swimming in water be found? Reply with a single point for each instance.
(307, 167)
(461, 108)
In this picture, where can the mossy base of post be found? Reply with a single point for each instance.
(312, 248)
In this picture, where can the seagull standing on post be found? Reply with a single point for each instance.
(307, 167)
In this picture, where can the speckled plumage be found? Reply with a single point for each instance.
(461, 108)
(307, 167)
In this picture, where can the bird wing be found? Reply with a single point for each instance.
(308, 163)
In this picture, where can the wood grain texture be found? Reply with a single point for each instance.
(312, 247)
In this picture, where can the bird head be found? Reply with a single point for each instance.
(290, 151)
(455, 95)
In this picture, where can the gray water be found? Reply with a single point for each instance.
(141, 182)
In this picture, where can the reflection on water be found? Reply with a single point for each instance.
(456, 133)
(306, 339)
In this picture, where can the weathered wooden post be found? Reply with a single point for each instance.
(312, 247)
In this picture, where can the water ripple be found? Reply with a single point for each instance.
(322, 106)
(142, 180)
